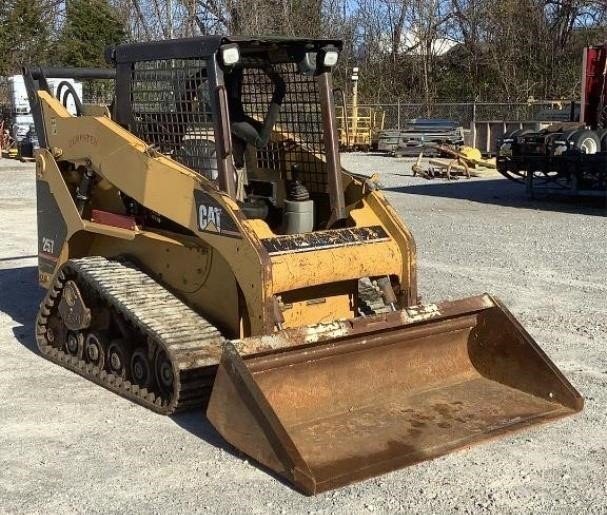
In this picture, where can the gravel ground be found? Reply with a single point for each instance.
(67, 445)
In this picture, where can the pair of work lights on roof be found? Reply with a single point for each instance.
(230, 55)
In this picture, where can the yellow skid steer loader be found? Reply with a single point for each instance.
(201, 246)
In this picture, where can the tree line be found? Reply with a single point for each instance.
(485, 50)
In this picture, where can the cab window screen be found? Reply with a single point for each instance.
(298, 134)
(171, 109)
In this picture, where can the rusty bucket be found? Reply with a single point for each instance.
(325, 406)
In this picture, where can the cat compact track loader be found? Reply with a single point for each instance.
(201, 246)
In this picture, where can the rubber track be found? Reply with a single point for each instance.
(192, 343)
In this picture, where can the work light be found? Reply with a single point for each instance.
(230, 54)
(330, 58)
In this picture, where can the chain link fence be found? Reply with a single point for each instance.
(397, 115)
(483, 121)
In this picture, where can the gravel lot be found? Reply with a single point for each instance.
(67, 445)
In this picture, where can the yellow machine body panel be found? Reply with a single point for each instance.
(167, 187)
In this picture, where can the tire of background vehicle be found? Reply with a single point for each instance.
(503, 140)
(602, 135)
(563, 137)
(567, 134)
(510, 134)
(524, 132)
(520, 132)
(586, 141)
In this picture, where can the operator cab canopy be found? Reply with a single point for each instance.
(232, 55)
(207, 46)
(251, 114)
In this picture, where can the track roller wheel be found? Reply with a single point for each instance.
(74, 343)
(141, 369)
(118, 358)
(164, 373)
(95, 349)
(55, 332)
(51, 335)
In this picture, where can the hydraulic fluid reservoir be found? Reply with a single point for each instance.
(298, 214)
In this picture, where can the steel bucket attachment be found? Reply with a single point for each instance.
(328, 405)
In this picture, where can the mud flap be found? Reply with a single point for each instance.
(325, 406)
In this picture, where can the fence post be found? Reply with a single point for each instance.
(473, 130)
(474, 123)
(398, 114)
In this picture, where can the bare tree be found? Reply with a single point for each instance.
(499, 50)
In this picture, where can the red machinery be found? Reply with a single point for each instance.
(568, 157)
(594, 93)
